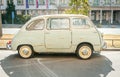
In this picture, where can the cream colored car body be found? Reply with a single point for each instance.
(59, 40)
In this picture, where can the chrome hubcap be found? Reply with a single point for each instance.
(25, 51)
(85, 52)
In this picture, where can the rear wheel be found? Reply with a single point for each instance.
(25, 51)
(84, 51)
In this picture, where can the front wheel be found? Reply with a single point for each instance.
(25, 51)
(84, 51)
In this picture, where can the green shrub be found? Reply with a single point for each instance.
(22, 19)
(19, 19)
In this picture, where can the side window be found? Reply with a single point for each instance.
(79, 23)
(36, 25)
(58, 23)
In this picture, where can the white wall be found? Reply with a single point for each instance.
(23, 7)
(20, 7)
(3, 7)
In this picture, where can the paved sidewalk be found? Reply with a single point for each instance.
(4, 39)
(7, 36)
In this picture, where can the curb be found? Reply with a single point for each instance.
(113, 49)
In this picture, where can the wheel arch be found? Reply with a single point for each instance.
(85, 43)
(25, 45)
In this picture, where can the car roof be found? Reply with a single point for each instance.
(59, 15)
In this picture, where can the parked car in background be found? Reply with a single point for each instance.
(61, 33)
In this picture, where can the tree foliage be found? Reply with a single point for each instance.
(78, 7)
(18, 19)
(10, 8)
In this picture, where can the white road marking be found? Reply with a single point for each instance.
(46, 70)
(2, 73)
(59, 60)
(11, 72)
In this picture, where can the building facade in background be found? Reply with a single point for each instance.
(102, 11)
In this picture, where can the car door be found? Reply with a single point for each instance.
(58, 33)
(34, 34)
(84, 31)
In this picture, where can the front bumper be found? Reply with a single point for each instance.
(104, 46)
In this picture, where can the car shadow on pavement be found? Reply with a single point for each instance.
(62, 65)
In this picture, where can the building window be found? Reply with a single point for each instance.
(96, 2)
(107, 2)
(20, 2)
(1, 2)
(117, 1)
(41, 2)
(63, 2)
(52, 2)
(31, 2)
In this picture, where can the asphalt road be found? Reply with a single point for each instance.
(60, 65)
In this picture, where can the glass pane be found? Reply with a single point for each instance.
(59, 23)
(31, 2)
(78, 22)
(39, 24)
(52, 2)
(19, 2)
(36, 25)
(107, 2)
(41, 2)
(63, 2)
(117, 1)
(96, 3)
(1, 2)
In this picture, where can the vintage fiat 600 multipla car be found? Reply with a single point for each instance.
(60, 33)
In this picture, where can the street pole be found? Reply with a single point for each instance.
(13, 16)
(110, 14)
(0, 23)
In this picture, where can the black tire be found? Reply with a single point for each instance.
(84, 51)
(25, 51)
